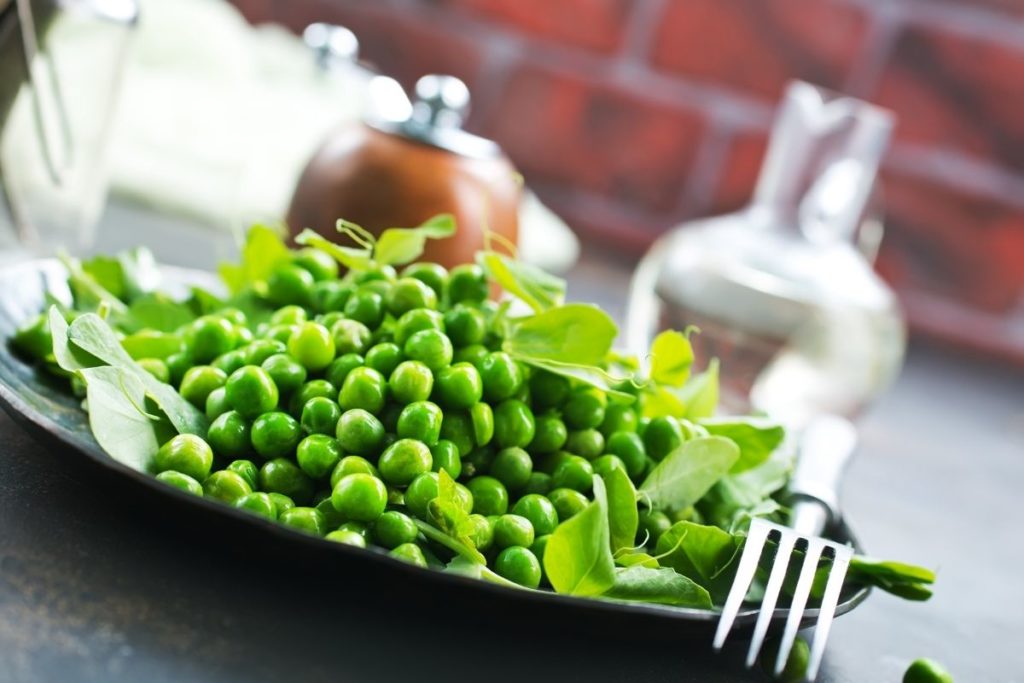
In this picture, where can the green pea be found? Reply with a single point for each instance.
(394, 528)
(208, 337)
(540, 544)
(662, 436)
(403, 461)
(320, 415)
(360, 497)
(365, 306)
(411, 381)
(445, 455)
(411, 553)
(919, 671)
(588, 443)
(279, 333)
(467, 282)
(606, 463)
(473, 354)
(363, 388)
(653, 523)
(510, 530)
(513, 424)
(259, 504)
(481, 532)
(384, 358)
(281, 475)
(573, 473)
(619, 417)
(433, 275)
(260, 350)
(465, 325)
(317, 455)
(548, 390)
(539, 482)
(230, 361)
(178, 364)
(307, 520)
(567, 502)
(157, 368)
(320, 265)
(185, 453)
(251, 392)
(217, 403)
(489, 495)
(330, 296)
(198, 382)
(512, 467)
(226, 486)
(281, 501)
(312, 345)
(420, 492)
(247, 470)
(410, 293)
(350, 336)
(502, 376)
(289, 284)
(275, 434)
(459, 386)
(421, 421)
(539, 510)
(307, 392)
(518, 565)
(181, 481)
(414, 321)
(457, 427)
(629, 448)
(229, 435)
(583, 410)
(352, 464)
(430, 347)
(346, 537)
(339, 368)
(549, 435)
(482, 418)
(360, 432)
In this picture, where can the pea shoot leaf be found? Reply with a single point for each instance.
(699, 552)
(671, 358)
(117, 418)
(699, 395)
(587, 374)
(688, 472)
(264, 249)
(353, 258)
(623, 517)
(402, 245)
(662, 586)
(578, 559)
(534, 286)
(757, 438)
(578, 334)
(447, 514)
(155, 312)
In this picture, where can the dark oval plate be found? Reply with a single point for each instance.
(46, 409)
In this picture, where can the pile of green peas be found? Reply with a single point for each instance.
(335, 416)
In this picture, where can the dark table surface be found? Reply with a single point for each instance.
(91, 590)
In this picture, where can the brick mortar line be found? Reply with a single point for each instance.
(641, 30)
(977, 22)
(884, 30)
(957, 171)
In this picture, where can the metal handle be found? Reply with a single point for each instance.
(826, 447)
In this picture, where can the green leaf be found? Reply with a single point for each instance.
(637, 558)
(699, 395)
(662, 586)
(140, 272)
(263, 251)
(661, 401)
(577, 559)
(575, 334)
(535, 287)
(699, 552)
(434, 534)
(150, 344)
(106, 271)
(736, 494)
(125, 432)
(587, 374)
(448, 515)
(353, 258)
(403, 245)
(465, 567)
(67, 356)
(671, 358)
(87, 292)
(623, 516)
(757, 437)
(155, 312)
(688, 472)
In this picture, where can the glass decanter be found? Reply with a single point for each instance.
(783, 291)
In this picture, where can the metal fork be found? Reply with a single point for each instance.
(825, 448)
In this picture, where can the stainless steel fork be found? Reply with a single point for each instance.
(824, 450)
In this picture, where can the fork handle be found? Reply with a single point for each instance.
(826, 446)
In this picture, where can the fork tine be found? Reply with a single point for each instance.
(771, 594)
(837, 573)
(756, 537)
(800, 595)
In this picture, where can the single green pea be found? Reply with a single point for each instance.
(379, 287)
(420, 492)
(230, 361)
(244, 335)
(409, 293)
(260, 350)
(919, 671)
(549, 435)
(281, 475)
(320, 415)
(350, 336)
(320, 265)
(375, 272)
(662, 436)
(629, 448)
(185, 453)
(384, 358)
(346, 537)
(229, 435)
(226, 486)
(208, 337)
(482, 418)
(512, 467)
(796, 665)
(421, 421)
(332, 518)
(217, 403)
(307, 392)
(433, 275)
(510, 530)
(291, 314)
(459, 386)
(465, 325)
(259, 504)
(317, 455)
(330, 296)
(281, 501)
(236, 315)
(365, 306)
(360, 497)
(548, 390)
(653, 523)
(360, 432)
(606, 463)
(275, 434)
(285, 372)
(279, 333)
(403, 461)
(251, 392)
(411, 553)
(352, 464)
(481, 532)
(467, 282)
(587, 443)
(490, 497)
(290, 285)
(518, 565)
(430, 347)
(411, 381)
(198, 382)
(513, 424)
(502, 376)
(547, 463)
(178, 364)
(539, 482)
(181, 481)
(574, 473)
(416, 320)
(445, 456)
(457, 427)
(394, 528)
(312, 345)
(473, 354)
(307, 520)
(539, 510)
(584, 410)
(157, 368)
(247, 470)
(567, 502)
(361, 528)
(619, 417)
(339, 368)
(364, 388)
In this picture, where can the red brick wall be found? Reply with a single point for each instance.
(629, 116)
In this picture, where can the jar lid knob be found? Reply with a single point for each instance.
(441, 101)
